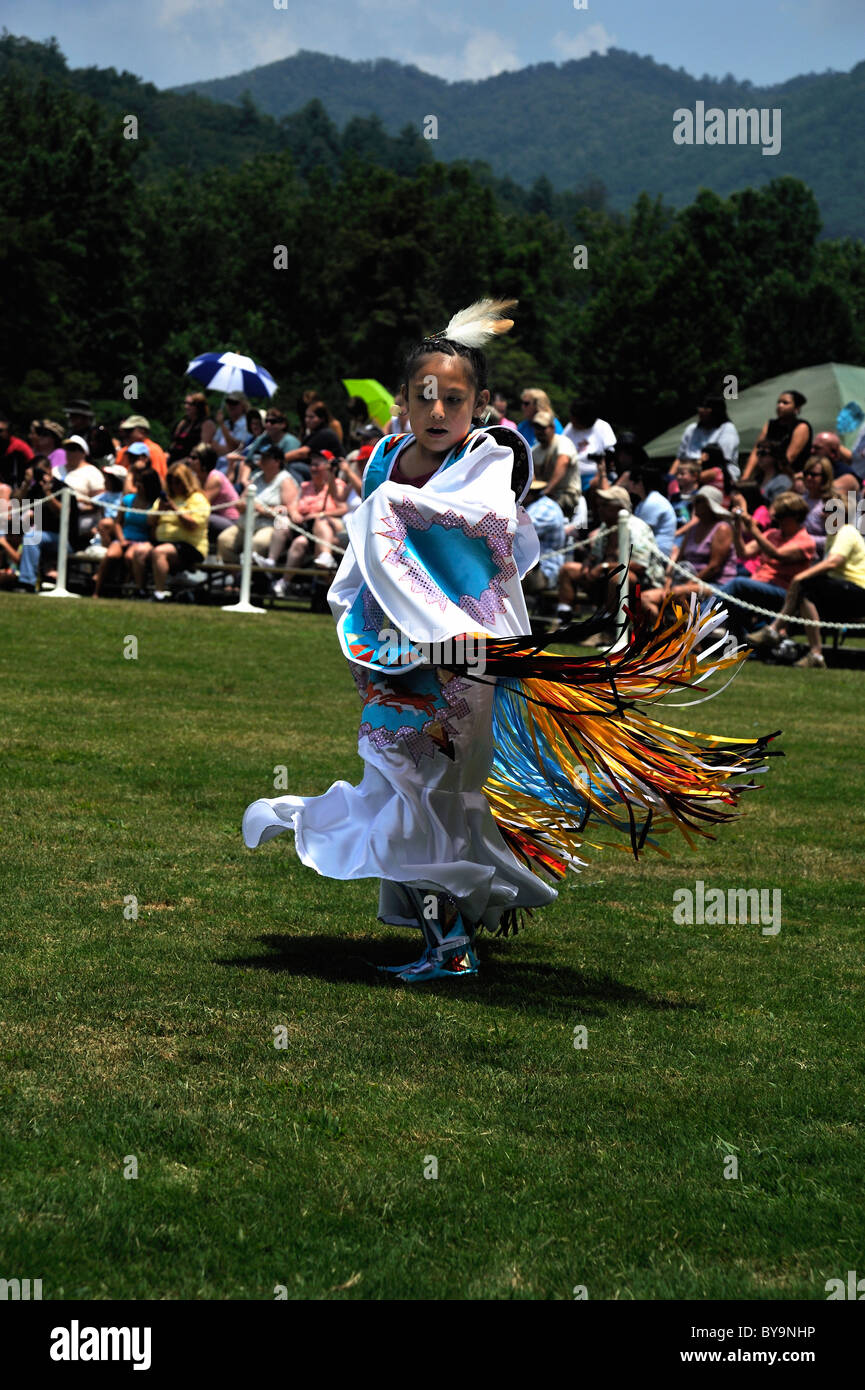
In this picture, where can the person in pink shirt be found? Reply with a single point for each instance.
(217, 488)
(784, 551)
(46, 438)
(500, 403)
(319, 506)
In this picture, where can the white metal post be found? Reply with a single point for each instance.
(243, 605)
(60, 590)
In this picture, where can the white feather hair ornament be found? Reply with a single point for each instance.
(472, 327)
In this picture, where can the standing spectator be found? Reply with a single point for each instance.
(276, 492)
(86, 481)
(216, 487)
(648, 491)
(137, 430)
(46, 438)
(15, 454)
(786, 429)
(712, 426)
(555, 463)
(832, 589)
(784, 550)
(194, 427)
(533, 399)
(590, 436)
(44, 539)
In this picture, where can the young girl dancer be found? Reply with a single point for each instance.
(485, 758)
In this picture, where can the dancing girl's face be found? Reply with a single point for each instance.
(441, 401)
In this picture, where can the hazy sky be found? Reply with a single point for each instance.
(173, 41)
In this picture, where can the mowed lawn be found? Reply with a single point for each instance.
(152, 1039)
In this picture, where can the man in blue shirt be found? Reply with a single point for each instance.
(548, 520)
(646, 488)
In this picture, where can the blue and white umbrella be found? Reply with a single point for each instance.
(230, 371)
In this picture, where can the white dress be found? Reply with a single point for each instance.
(424, 565)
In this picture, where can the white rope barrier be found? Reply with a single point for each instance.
(752, 607)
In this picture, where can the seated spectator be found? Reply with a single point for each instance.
(194, 427)
(232, 433)
(135, 429)
(500, 404)
(532, 400)
(787, 430)
(86, 482)
(131, 525)
(785, 549)
(648, 490)
(548, 520)
(108, 503)
(46, 438)
(276, 492)
(590, 436)
(236, 459)
(704, 547)
(319, 436)
(351, 472)
(361, 429)
(216, 487)
(595, 574)
(818, 486)
(555, 463)
(827, 445)
(318, 507)
(683, 490)
(715, 472)
(180, 516)
(770, 471)
(15, 454)
(276, 435)
(832, 589)
(712, 426)
(42, 488)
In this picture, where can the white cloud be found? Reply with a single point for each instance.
(484, 54)
(171, 13)
(593, 39)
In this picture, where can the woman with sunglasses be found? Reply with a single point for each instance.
(817, 486)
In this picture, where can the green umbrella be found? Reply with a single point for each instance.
(379, 401)
(826, 388)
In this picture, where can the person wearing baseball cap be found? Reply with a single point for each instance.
(596, 574)
(86, 481)
(139, 433)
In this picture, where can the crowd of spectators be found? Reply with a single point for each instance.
(780, 533)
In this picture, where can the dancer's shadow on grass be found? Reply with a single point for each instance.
(512, 974)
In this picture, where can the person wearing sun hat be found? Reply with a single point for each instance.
(704, 548)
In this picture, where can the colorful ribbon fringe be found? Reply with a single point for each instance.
(575, 752)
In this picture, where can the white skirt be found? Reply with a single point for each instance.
(418, 817)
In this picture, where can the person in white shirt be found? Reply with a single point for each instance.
(590, 437)
(555, 463)
(712, 426)
(85, 480)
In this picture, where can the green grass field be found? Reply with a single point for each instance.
(304, 1166)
